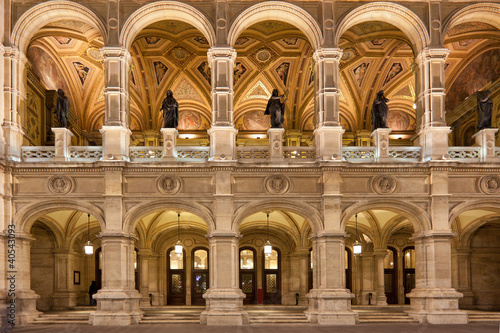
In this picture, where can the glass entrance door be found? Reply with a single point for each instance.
(247, 275)
(272, 278)
(199, 284)
(176, 278)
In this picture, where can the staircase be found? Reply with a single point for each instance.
(63, 317)
(385, 314)
(476, 316)
(276, 314)
(172, 315)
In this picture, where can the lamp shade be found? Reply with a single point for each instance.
(178, 247)
(357, 247)
(89, 248)
(268, 248)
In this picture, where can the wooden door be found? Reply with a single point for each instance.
(199, 284)
(271, 281)
(408, 271)
(348, 269)
(176, 278)
(247, 275)
(390, 276)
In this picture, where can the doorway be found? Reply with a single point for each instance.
(176, 277)
(199, 284)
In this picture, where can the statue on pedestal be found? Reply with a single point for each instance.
(62, 107)
(484, 108)
(276, 109)
(380, 111)
(170, 109)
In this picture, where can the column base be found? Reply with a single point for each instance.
(434, 142)
(222, 143)
(436, 306)
(116, 307)
(64, 301)
(115, 143)
(11, 147)
(381, 300)
(25, 308)
(330, 307)
(224, 307)
(328, 142)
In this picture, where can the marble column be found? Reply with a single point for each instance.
(328, 130)
(380, 254)
(222, 133)
(432, 131)
(329, 300)
(433, 300)
(116, 132)
(224, 298)
(117, 300)
(64, 296)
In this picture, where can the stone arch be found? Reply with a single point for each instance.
(416, 215)
(489, 204)
(54, 230)
(399, 16)
(50, 11)
(27, 215)
(312, 216)
(161, 10)
(280, 11)
(482, 12)
(134, 214)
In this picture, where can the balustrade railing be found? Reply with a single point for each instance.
(37, 154)
(405, 154)
(299, 153)
(497, 152)
(145, 153)
(464, 154)
(85, 153)
(358, 154)
(193, 154)
(252, 153)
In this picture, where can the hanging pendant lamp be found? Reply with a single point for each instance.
(268, 248)
(89, 248)
(357, 245)
(178, 245)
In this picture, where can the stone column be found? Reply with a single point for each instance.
(155, 279)
(485, 138)
(64, 296)
(62, 140)
(368, 276)
(11, 132)
(329, 300)
(169, 143)
(433, 300)
(297, 277)
(222, 133)
(224, 298)
(144, 259)
(432, 132)
(380, 139)
(118, 300)
(115, 132)
(275, 136)
(379, 269)
(19, 281)
(328, 132)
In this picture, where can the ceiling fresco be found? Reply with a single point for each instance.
(270, 55)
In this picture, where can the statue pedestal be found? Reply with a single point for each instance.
(434, 142)
(169, 143)
(62, 141)
(115, 143)
(328, 142)
(380, 139)
(222, 143)
(275, 136)
(485, 138)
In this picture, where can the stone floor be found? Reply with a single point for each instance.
(275, 328)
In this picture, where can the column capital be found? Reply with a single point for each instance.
(114, 51)
(116, 234)
(325, 234)
(221, 52)
(331, 53)
(433, 234)
(432, 53)
(221, 234)
(380, 252)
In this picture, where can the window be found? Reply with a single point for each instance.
(271, 260)
(176, 260)
(200, 259)
(246, 259)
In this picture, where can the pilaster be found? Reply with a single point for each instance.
(144, 259)
(64, 296)
(329, 300)
(368, 278)
(433, 300)
(432, 132)
(381, 299)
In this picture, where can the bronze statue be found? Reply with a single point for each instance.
(170, 109)
(62, 107)
(485, 108)
(380, 111)
(276, 109)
